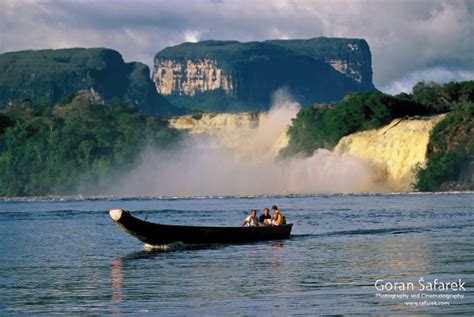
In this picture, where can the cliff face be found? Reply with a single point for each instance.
(350, 57)
(314, 71)
(54, 74)
(394, 150)
(189, 77)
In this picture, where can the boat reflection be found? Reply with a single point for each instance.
(276, 247)
(116, 276)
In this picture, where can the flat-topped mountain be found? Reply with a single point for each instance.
(55, 74)
(232, 76)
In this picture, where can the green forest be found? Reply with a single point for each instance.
(451, 147)
(450, 152)
(73, 146)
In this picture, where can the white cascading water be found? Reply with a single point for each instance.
(240, 160)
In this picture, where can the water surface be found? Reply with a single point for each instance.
(66, 256)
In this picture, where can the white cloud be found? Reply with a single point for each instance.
(437, 74)
(405, 36)
(191, 36)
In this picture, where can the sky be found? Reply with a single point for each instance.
(410, 40)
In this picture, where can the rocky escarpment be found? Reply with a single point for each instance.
(54, 74)
(350, 57)
(195, 75)
(189, 77)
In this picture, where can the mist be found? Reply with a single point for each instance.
(242, 162)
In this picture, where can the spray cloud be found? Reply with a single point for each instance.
(241, 161)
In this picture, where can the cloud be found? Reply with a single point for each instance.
(405, 36)
(191, 36)
(437, 74)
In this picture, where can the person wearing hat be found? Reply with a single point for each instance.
(277, 218)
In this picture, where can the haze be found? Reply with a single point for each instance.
(210, 165)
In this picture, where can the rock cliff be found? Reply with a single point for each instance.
(55, 74)
(394, 149)
(317, 70)
(189, 77)
(350, 57)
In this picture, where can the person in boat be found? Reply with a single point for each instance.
(277, 219)
(265, 219)
(251, 219)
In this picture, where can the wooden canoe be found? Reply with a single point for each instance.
(159, 234)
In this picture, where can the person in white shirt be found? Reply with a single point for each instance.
(251, 219)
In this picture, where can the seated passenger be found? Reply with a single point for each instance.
(251, 219)
(265, 219)
(277, 218)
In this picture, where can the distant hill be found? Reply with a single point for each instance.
(54, 74)
(232, 76)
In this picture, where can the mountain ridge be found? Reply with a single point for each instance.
(245, 74)
(53, 74)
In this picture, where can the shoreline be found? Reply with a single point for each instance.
(199, 197)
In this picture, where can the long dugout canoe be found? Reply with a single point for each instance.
(159, 234)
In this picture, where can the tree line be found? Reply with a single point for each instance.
(73, 146)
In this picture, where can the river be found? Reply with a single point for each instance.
(65, 256)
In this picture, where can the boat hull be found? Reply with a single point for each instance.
(157, 234)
